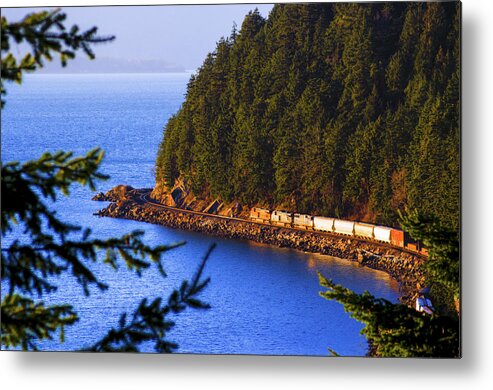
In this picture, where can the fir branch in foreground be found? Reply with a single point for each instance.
(24, 322)
(149, 322)
(46, 35)
(443, 264)
(53, 248)
(396, 330)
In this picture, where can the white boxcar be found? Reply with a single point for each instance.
(323, 224)
(382, 233)
(363, 229)
(281, 217)
(303, 220)
(343, 227)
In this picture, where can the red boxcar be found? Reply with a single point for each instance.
(397, 237)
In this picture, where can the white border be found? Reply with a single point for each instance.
(85, 371)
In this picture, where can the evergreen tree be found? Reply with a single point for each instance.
(31, 267)
(396, 330)
(339, 109)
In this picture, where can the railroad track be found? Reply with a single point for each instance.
(144, 198)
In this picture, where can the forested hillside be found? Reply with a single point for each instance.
(347, 110)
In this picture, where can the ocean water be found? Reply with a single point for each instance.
(264, 299)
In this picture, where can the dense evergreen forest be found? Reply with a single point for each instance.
(338, 109)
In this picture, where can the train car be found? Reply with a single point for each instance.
(343, 227)
(363, 230)
(260, 215)
(382, 233)
(281, 218)
(303, 221)
(397, 237)
(411, 244)
(323, 224)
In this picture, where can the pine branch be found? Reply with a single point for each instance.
(53, 250)
(46, 35)
(149, 321)
(443, 264)
(25, 322)
(394, 329)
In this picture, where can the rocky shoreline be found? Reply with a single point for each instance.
(127, 203)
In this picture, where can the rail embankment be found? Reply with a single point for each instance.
(403, 266)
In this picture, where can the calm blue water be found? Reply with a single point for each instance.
(264, 299)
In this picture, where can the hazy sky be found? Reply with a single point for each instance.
(181, 35)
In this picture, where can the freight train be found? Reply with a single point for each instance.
(367, 231)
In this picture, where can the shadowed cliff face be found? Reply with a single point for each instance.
(181, 196)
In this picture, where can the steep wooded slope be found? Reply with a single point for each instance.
(336, 109)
